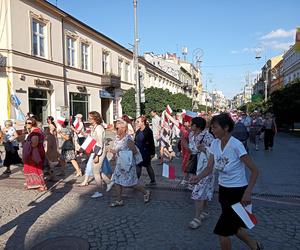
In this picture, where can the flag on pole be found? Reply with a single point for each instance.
(297, 40)
(189, 115)
(76, 123)
(88, 144)
(61, 120)
(168, 171)
(245, 213)
(168, 109)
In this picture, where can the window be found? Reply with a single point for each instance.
(79, 104)
(126, 76)
(71, 51)
(84, 56)
(105, 63)
(38, 38)
(120, 61)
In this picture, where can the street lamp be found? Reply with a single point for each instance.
(197, 55)
(136, 63)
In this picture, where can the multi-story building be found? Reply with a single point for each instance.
(58, 65)
(219, 101)
(277, 77)
(247, 93)
(291, 65)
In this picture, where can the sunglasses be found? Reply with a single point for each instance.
(28, 123)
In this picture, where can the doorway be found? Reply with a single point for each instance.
(105, 110)
(39, 104)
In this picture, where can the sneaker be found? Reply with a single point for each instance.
(97, 195)
(147, 196)
(151, 184)
(109, 186)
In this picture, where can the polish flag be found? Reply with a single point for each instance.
(76, 123)
(189, 115)
(61, 120)
(168, 109)
(245, 213)
(88, 144)
(168, 171)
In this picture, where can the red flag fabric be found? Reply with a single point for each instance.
(245, 213)
(61, 120)
(76, 123)
(88, 144)
(168, 171)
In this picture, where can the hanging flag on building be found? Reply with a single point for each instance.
(297, 42)
(13, 104)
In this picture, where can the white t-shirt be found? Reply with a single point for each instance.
(227, 162)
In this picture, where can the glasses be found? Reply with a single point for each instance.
(28, 123)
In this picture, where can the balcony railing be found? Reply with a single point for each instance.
(111, 81)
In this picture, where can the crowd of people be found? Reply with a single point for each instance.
(208, 145)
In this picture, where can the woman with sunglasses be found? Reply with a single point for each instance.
(33, 164)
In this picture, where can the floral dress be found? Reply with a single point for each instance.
(121, 176)
(204, 189)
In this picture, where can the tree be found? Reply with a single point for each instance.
(128, 102)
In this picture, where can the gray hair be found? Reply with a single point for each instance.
(10, 122)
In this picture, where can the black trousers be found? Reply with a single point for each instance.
(269, 138)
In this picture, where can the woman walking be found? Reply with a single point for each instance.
(68, 149)
(145, 142)
(125, 176)
(270, 129)
(229, 157)
(11, 146)
(203, 191)
(97, 133)
(34, 156)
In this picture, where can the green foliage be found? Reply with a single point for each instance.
(128, 102)
(156, 99)
(285, 103)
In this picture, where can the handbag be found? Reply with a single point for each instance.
(201, 162)
(68, 145)
(106, 168)
(125, 160)
(9, 147)
(138, 156)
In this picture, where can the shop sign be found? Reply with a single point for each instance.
(42, 83)
(106, 94)
(82, 89)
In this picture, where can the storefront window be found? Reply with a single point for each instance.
(79, 103)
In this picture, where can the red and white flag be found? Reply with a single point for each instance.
(168, 171)
(61, 120)
(168, 109)
(76, 123)
(89, 144)
(245, 213)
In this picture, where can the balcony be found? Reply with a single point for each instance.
(111, 81)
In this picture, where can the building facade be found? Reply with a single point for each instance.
(291, 65)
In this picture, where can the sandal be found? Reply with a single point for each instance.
(147, 196)
(204, 215)
(83, 184)
(7, 172)
(42, 189)
(117, 204)
(195, 223)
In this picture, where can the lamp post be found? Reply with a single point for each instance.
(197, 55)
(136, 63)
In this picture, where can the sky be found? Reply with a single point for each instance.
(229, 32)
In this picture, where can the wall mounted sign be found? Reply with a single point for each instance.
(42, 83)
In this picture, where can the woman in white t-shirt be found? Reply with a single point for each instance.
(229, 157)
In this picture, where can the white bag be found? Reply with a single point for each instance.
(201, 162)
(124, 160)
(138, 156)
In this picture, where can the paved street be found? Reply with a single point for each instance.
(28, 217)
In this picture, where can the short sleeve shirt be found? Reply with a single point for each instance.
(228, 163)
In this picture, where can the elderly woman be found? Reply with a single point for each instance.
(34, 156)
(125, 176)
(11, 146)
